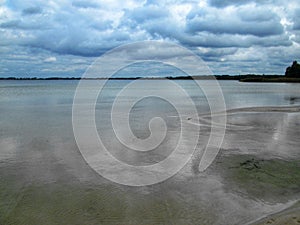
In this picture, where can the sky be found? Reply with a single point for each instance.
(46, 38)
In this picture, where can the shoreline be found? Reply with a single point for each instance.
(240, 78)
(289, 215)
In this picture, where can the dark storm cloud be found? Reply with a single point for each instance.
(296, 19)
(102, 25)
(209, 54)
(228, 41)
(85, 4)
(78, 41)
(142, 14)
(260, 29)
(218, 52)
(10, 24)
(225, 3)
(32, 10)
(245, 22)
(257, 15)
(21, 25)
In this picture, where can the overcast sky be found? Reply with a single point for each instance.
(61, 38)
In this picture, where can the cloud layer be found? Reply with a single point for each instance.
(46, 38)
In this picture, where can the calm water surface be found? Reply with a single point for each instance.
(44, 179)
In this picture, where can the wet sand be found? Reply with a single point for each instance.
(290, 216)
(47, 180)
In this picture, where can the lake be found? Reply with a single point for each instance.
(44, 178)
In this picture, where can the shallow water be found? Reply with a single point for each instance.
(45, 180)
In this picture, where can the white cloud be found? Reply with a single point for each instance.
(221, 30)
(50, 59)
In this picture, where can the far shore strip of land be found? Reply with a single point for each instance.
(241, 78)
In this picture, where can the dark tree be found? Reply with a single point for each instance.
(293, 71)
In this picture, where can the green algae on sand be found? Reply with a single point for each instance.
(271, 180)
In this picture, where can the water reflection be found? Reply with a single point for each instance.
(39, 158)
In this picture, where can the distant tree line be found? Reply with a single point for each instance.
(293, 71)
(292, 74)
